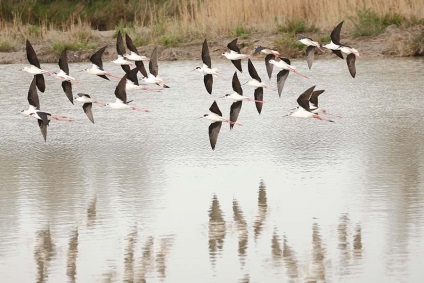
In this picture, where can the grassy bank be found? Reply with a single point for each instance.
(67, 23)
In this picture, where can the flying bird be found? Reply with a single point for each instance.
(63, 75)
(42, 117)
(339, 48)
(310, 50)
(335, 44)
(134, 56)
(237, 97)
(215, 116)
(285, 65)
(121, 102)
(153, 77)
(257, 83)
(120, 49)
(270, 54)
(35, 68)
(88, 104)
(97, 65)
(207, 69)
(304, 110)
(234, 55)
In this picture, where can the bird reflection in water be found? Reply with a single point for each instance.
(44, 252)
(242, 231)
(343, 244)
(71, 264)
(217, 229)
(91, 212)
(316, 271)
(129, 256)
(262, 209)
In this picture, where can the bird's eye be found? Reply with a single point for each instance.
(205, 115)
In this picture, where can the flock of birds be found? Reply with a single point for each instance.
(132, 63)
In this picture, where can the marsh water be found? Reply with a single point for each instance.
(141, 197)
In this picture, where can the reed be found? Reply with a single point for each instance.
(171, 22)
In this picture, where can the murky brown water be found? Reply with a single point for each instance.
(141, 197)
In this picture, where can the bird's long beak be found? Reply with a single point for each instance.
(245, 82)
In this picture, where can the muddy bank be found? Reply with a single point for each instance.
(385, 44)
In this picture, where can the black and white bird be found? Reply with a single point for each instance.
(120, 49)
(121, 102)
(310, 50)
(133, 83)
(97, 65)
(234, 55)
(35, 68)
(215, 116)
(206, 68)
(257, 83)
(153, 77)
(237, 97)
(304, 110)
(134, 56)
(42, 117)
(285, 65)
(63, 75)
(270, 54)
(88, 104)
(334, 44)
(313, 104)
(338, 48)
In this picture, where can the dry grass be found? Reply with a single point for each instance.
(171, 22)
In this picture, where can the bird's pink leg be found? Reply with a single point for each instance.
(322, 119)
(251, 99)
(296, 72)
(99, 103)
(234, 123)
(113, 76)
(151, 89)
(139, 109)
(62, 118)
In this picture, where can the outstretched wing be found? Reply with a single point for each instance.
(206, 58)
(303, 99)
(153, 64)
(96, 58)
(310, 52)
(234, 112)
(31, 55)
(233, 46)
(350, 59)
(335, 34)
(213, 133)
(252, 71)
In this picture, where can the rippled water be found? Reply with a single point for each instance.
(141, 196)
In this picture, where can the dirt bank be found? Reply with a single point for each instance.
(388, 43)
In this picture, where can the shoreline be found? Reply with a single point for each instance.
(387, 44)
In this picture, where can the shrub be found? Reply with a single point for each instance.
(239, 31)
(169, 40)
(58, 47)
(367, 22)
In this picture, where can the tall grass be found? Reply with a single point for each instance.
(170, 21)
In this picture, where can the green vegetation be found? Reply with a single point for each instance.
(291, 46)
(367, 22)
(7, 46)
(417, 45)
(295, 26)
(58, 47)
(169, 40)
(240, 31)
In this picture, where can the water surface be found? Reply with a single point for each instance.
(141, 196)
